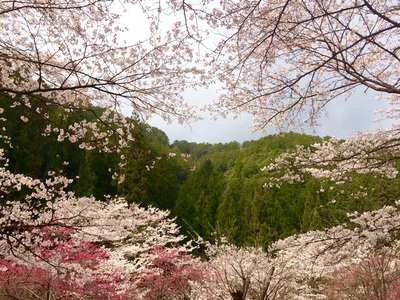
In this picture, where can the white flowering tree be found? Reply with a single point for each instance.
(240, 273)
(359, 260)
(284, 61)
(72, 54)
(61, 58)
(75, 65)
(65, 246)
(367, 247)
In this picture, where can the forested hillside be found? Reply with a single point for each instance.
(228, 193)
(213, 190)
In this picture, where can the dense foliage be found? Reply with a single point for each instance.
(210, 188)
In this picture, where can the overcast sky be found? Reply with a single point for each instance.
(343, 121)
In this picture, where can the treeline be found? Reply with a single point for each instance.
(212, 189)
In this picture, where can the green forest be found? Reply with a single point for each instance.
(212, 190)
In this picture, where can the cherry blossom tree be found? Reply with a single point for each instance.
(79, 246)
(51, 238)
(73, 270)
(318, 256)
(376, 278)
(170, 275)
(129, 230)
(358, 259)
(284, 61)
(72, 54)
(246, 273)
(335, 159)
(69, 57)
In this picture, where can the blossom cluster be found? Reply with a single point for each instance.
(336, 160)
